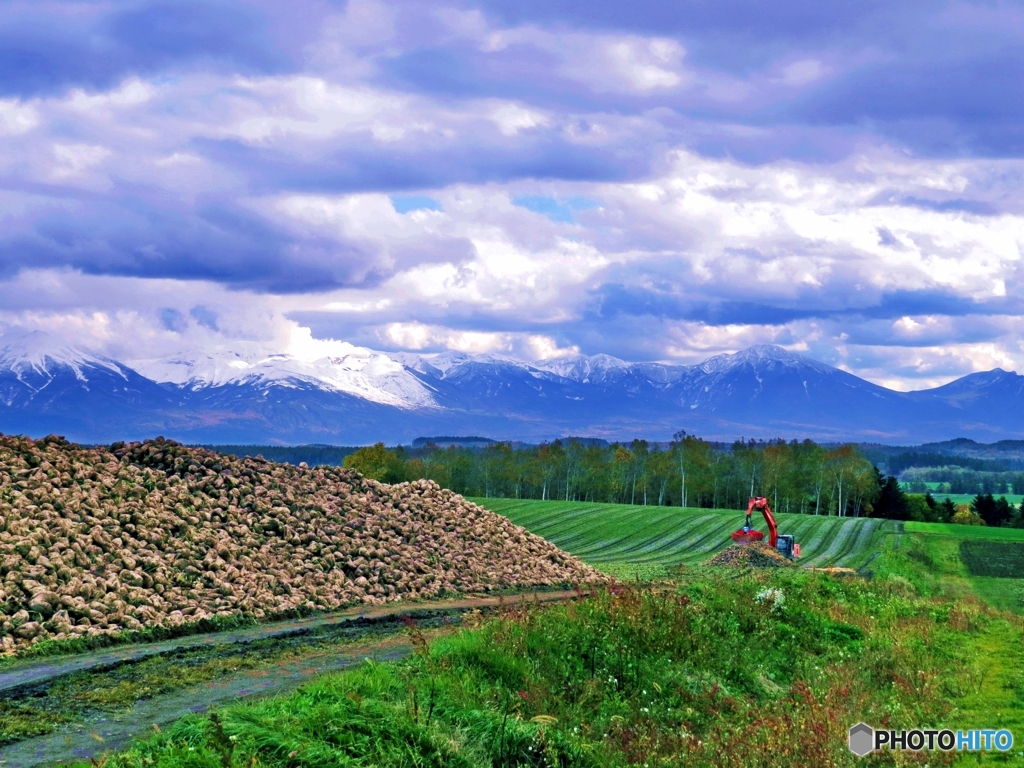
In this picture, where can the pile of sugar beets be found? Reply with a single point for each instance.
(102, 540)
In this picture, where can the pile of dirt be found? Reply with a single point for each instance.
(754, 555)
(100, 540)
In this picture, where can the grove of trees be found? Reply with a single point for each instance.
(799, 477)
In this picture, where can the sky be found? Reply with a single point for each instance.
(659, 181)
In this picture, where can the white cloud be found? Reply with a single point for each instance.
(279, 107)
(513, 118)
(616, 63)
(646, 65)
(691, 251)
(130, 93)
(73, 159)
(802, 72)
(16, 117)
(432, 338)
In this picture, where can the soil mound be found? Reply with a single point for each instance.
(753, 555)
(100, 540)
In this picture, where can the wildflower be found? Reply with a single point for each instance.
(772, 597)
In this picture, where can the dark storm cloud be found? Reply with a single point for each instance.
(615, 299)
(957, 97)
(731, 34)
(362, 166)
(215, 242)
(52, 47)
(937, 77)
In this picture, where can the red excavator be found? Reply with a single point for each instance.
(785, 544)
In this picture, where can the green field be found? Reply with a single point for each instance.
(628, 540)
(966, 531)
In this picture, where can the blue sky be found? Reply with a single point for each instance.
(653, 180)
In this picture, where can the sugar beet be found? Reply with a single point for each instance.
(100, 540)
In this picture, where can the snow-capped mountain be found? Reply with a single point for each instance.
(586, 369)
(360, 396)
(360, 372)
(48, 386)
(39, 354)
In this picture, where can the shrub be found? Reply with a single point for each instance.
(965, 516)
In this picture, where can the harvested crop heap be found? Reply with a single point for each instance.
(95, 541)
(754, 555)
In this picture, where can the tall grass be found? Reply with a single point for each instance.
(744, 669)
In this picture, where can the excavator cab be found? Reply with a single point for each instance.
(786, 544)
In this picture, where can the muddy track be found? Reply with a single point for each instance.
(280, 657)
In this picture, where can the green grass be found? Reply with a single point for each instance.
(708, 672)
(627, 540)
(1002, 559)
(1004, 594)
(966, 531)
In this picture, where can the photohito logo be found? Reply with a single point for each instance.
(864, 740)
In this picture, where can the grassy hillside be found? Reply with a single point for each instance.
(991, 560)
(967, 549)
(967, 531)
(720, 670)
(627, 540)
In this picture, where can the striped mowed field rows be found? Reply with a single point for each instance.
(625, 539)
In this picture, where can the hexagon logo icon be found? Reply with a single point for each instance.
(862, 739)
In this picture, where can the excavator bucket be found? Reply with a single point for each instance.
(747, 535)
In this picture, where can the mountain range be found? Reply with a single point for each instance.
(363, 396)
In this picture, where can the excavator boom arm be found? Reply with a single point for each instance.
(760, 503)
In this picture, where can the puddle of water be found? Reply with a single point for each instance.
(104, 732)
(115, 695)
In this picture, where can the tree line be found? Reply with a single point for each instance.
(957, 480)
(796, 476)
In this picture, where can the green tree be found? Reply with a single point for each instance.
(551, 458)
(993, 511)
(946, 510)
(892, 502)
(917, 508)
(640, 454)
(377, 462)
(575, 454)
(622, 460)
(661, 471)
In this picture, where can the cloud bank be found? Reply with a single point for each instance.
(655, 181)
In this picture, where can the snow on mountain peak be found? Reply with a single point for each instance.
(582, 368)
(366, 374)
(43, 353)
(443, 362)
(757, 355)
